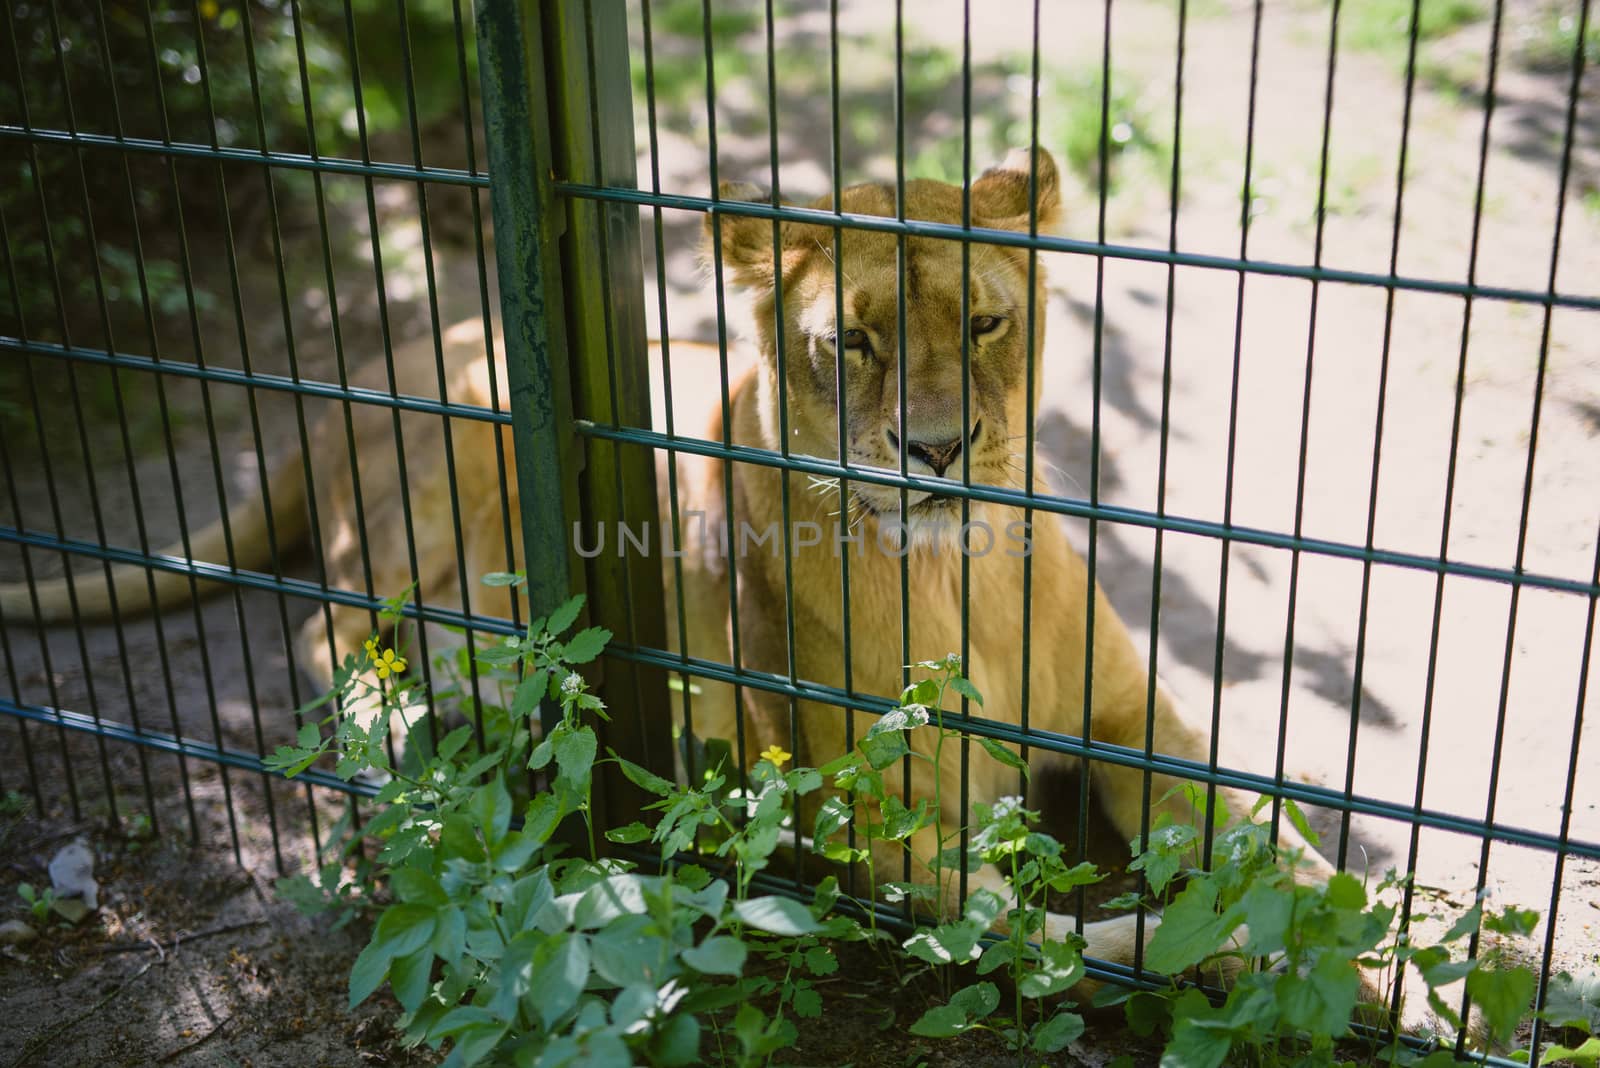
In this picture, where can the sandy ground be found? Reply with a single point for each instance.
(244, 663)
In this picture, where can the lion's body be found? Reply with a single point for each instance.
(1027, 648)
(1026, 606)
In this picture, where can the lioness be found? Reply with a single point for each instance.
(936, 436)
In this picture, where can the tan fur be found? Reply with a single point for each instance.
(1060, 590)
(382, 513)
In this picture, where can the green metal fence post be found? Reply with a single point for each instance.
(558, 104)
(527, 258)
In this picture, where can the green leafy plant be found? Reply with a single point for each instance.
(1314, 961)
(504, 931)
(495, 940)
(40, 902)
(1038, 966)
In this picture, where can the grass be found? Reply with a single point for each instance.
(1549, 39)
(1384, 26)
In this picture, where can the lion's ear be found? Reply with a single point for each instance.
(1001, 193)
(746, 240)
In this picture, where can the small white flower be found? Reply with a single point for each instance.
(572, 684)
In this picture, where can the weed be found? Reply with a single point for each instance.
(505, 931)
(40, 902)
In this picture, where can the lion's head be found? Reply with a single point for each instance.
(854, 330)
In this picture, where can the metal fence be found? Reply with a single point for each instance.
(198, 265)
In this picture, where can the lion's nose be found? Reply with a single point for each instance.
(937, 455)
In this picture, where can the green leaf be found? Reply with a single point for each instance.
(1059, 967)
(417, 886)
(945, 1021)
(1003, 754)
(821, 961)
(884, 749)
(777, 915)
(693, 877)
(585, 645)
(998, 955)
(451, 744)
(950, 943)
(1194, 1046)
(613, 896)
(1586, 1054)
(1268, 909)
(805, 780)
(565, 616)
(514, 852)
(409, 976)
(309, 736)
(1502, 995)
(1056, 1033)
(1301, 824)
(1574, 1002)
(450, 937)
(1084, 874)
(718, 955)
(543, 817)
(575, 751)
(645, 780)
(832, 816)
(1190, 931)
(807, 1003)
(1512, 921)
(404, 928)
(677, 1042)
(561, 969)
(633, 832)
(370, 970)
(1344, 891)
(476, 1042)
(530, 691)
(1467, 924)
(1145, 1012)
(977, 1000)
(1437, 969)
(289, 762)
(1322, 1000)
(967, 690)
(1121, 902)
(490, 808)
(460, 1019)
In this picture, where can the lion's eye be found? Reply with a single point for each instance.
(854, 339)
(985, 324)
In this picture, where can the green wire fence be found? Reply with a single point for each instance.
(180, 177)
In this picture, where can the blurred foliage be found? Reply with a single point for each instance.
(256, 75)
(247, 74)
(1384, 26)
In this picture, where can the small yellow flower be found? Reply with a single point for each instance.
(775, 756)
(371, 646)
(208, 9)
(389, 663)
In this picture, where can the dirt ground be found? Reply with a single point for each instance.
(200, 859)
